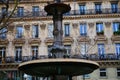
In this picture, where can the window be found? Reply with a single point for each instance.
(118, 72)
(99, 28)
(101, 51)
(103, 72)
(83, 48)
(19, 32)
(3, 33)
(83, 30)
(35, 10)
(117, 50)
(82, 9)
(86, 76)
(2, 53)
(18, 54)
(67, 30)
(68, 48)
(4, 11)
(50, 30)
(35, 31)
(34, 52)
(114, 7)
(98, 8)
(116, 28)
(20, 11)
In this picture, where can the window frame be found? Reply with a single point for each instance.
(66, 30)
(118, 72)
(19, 32)
(20, 11)
(83, 29)
(35, 10)
(18, 53)
(35, 31)
(104, 71)
(82, 9)
(98, 8)
(3, 33)
(50, 30)
(114, 7)
(34, 51)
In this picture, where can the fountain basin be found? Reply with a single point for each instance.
(58, 66)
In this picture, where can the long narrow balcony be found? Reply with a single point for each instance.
(42, 13)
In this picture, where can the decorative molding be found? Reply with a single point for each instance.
(43, 26)
(107, 24)
(91, 25)
(4, 41)
(34, 41)
(115, 38)
(83, 39)
(75, 25)
(109, 63)
(11, 27)
(49, 41)
(27, 27)
(19, 41)
(68, 40)
(100, 38)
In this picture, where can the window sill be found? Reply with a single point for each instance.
(103, 77)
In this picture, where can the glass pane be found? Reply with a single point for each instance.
(35, 31)
(67, 30)
(19, 32)
(50, 30)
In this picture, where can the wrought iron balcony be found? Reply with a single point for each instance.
(30, 14)
(94, 57)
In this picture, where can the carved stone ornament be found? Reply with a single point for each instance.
(11, 27)
(107, 24)
(27, 27)
(75, 25)
(43, 26)
(91, 25)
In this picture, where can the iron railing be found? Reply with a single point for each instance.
(94, 57)
(71, 13)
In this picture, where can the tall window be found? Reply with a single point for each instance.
(34, 52)
(67, 30)
(114, 7)
(68, 48)
(4, 11)
(2, 53)
(83, 48)
(99, 28)
(3, 33)
(103, 72)
(50, 30)
(35, 10)
(98, 8)
(118, 50)
(20, 11)
(116, 28)
(101, 51)
(118, 72)
(35, 31)
(18, 54)
(83, 29)
(82, 9)
(19, 32)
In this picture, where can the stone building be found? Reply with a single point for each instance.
(91, 30)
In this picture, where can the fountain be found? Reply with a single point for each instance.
(58, 65)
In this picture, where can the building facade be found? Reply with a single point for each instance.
(91, 30)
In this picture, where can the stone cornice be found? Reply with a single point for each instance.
(109, 63)
(47, 18)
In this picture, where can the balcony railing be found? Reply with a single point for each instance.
(94, 57)
(72, 12)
